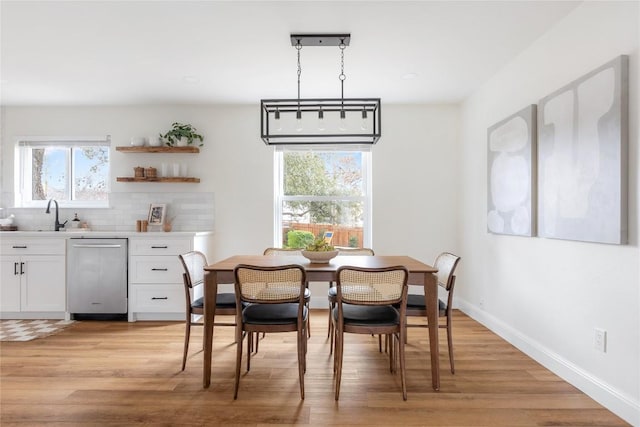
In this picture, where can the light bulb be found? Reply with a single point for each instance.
(298, 120)
(343, 121)
(320, 120)
(276, 116)
(363, 124)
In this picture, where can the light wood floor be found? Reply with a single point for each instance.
(117, 373)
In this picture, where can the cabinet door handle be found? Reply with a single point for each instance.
(19, 246)
(159, 269)
(97, 246)
(15, 268)
(21, 268)
(159, 247)
(159, 298)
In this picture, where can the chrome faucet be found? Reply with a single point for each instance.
(58, 226)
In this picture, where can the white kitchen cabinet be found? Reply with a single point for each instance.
(32, 278)
(156, 290)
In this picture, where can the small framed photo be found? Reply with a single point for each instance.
(157, 212)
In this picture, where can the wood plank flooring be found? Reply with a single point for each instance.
(117, 373)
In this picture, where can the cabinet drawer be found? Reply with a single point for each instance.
(27, 246)
(157, 299)
(159, 246)
(155, 269)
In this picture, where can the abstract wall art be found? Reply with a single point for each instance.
(511, 174)
(582, 157)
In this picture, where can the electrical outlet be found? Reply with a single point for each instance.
(600, 340)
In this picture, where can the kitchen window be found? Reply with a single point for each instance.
(322, 189)
(74, 171)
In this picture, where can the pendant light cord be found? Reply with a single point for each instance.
(299, 48)
(342, 76)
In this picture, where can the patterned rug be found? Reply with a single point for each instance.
(27, 330)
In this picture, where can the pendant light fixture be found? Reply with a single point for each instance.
(304, 121)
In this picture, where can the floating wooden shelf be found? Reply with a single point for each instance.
(176, 179)
(161, 149)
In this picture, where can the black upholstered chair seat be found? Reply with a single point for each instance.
(361, 315)
(272, 314)
(417, 301)
(224, 300)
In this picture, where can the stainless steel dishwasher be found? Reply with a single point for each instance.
(97, 277)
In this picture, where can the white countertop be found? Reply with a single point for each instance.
(98, 234)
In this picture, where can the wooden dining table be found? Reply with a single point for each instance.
(420, 274)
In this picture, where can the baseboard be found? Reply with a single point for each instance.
(617, 402)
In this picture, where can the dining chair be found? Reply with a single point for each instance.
(446, 264)
(332, 289)
(275, 302)
(193, 264)
(371, 301)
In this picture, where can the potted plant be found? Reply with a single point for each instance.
(181, 135)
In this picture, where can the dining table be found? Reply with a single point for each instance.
(420, 274)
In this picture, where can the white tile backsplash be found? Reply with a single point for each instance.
(192, 212)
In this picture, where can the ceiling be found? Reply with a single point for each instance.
(231, 52)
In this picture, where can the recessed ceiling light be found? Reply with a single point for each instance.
(191, 79)
(409, 76)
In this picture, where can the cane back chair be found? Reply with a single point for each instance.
(371, 301)
(193, 264)
(446, 264)
(274, 298)
(332, 289)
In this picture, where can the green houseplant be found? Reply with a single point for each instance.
(181, 135)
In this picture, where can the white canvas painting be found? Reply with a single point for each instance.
(582, 157)
(511, 174)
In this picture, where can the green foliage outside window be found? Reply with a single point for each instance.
(299, 238)
(322, 175)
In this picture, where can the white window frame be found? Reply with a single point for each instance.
(23, 163)
(280, 198)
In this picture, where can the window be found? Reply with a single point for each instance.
(74, 171)
(319, 190)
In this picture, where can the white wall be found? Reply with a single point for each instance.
(414, 168)
(415, 181)
(547, 296)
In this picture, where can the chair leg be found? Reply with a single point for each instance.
(305, 342)
(332, 331)
(338, 360)
(335, 352)
(187, 334)
(329, 322)
(249, 338)
(302, 337)
(403, 377)
(239, 338)
(450, 344)
(389, 339)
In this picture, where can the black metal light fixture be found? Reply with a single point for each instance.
(301, 121)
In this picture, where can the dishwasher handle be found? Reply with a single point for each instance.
(97, 246)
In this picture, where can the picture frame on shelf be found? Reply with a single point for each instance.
(157, 213)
